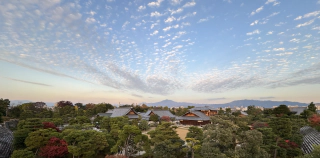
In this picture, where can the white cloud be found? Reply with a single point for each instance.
(305, 24)
(170, 19)
(273, 14)
(294, 40)
(154, 32)
(270, 1)
(155, 14)
(141, 8)
(205, 19)
(167, 44)
(167, 29)
(316, 28)
(254, 23)
(278, 49)
(90, 20)
(270, 33)
(298, 18)
(176, 26)
(307, 47)
(311, 14)
(175, 2)
(315, 13)
(275, 2)
(178, 47)
(152, 25)
(280, 23)
(189, 4)
(125, 24)
(257, 10)
(179, 10)
(155, 4)
(308, 35)
(253, 32)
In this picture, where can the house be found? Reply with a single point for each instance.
(158, 112)
(118, 112)
(206, 110)
(195, 118)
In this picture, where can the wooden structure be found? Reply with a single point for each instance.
(195, 118)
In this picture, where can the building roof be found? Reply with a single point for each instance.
(6, 139)
(199, 116)
(202, 108)
(310, 137)
(104, 114)
(160, 113)
(118, 112)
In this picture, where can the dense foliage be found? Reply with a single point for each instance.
(261, 134)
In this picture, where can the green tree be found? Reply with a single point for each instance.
(269, 140)
(219, 136)
(154, 118)
(312, 107)
(80, 106)
(251, 142)
(79, 120)
(15, 111)
(22, 153)
(85, 143)
(4, 104)
(281, 127)
(19, 136)
(143, 125)
(220, 111)
(166, 141)
(39, 138)
(281, 110)
(193, 145)
(195, 132)
(306, 113)
(315, 152)
(131, 140)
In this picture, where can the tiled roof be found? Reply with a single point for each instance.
(160, 113)
(104, 114)
(6, 139)
(200, 116)
(202, 108)
(310, 137)
(120, 112)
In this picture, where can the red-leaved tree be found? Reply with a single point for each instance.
(50, 125)
(165, 118)
(314, 120)
(55, 148)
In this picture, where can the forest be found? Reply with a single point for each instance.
(75, 130)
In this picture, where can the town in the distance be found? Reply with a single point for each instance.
(103, 130)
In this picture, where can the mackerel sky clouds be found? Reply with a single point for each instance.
(206, 51)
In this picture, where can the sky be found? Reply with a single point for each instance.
(201, 51)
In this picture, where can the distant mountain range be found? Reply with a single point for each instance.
(171, 103)
(238, 103)
(18, 102)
